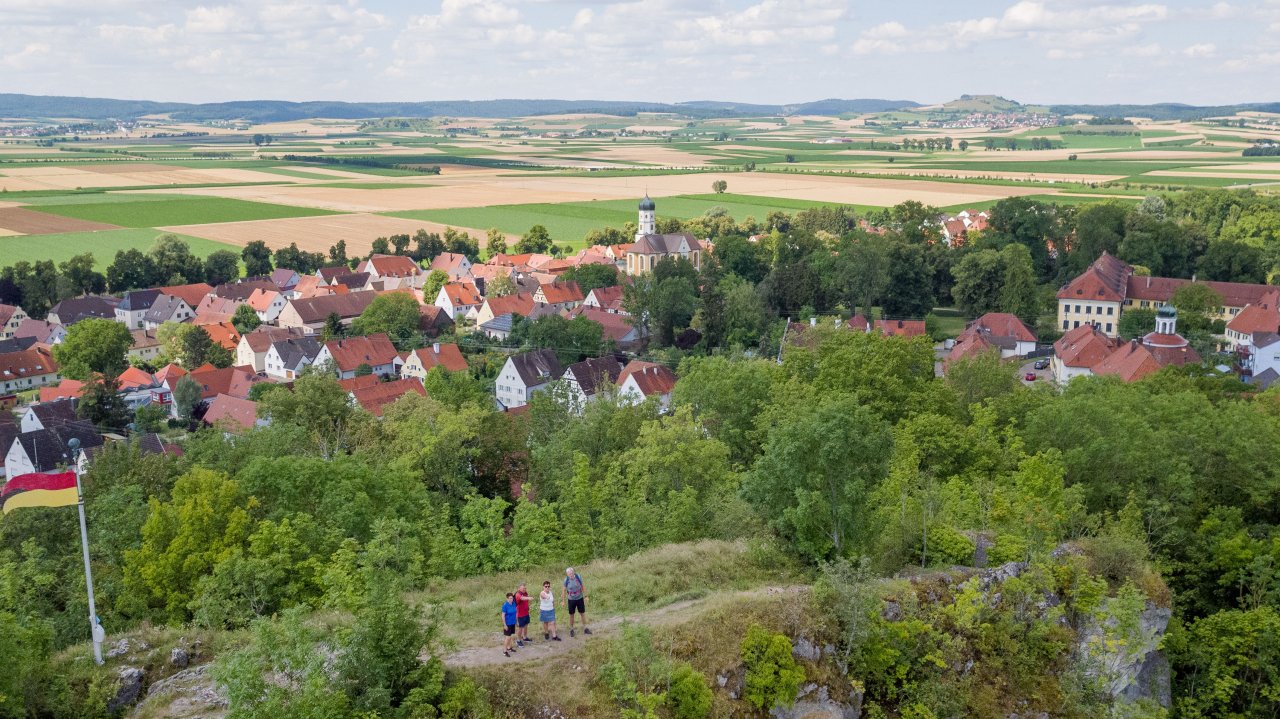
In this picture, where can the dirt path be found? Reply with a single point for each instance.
(487, 649)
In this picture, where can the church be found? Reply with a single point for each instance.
(651, 247)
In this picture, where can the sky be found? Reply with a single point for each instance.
(767, 51)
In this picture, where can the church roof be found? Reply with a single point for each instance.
(647, 204)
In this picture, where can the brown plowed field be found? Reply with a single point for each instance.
(21, 221)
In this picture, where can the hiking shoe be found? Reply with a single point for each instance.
(519, 643)
(571, 633)
(586, 631)
(546, 636)
(506, 653)
(555, 639)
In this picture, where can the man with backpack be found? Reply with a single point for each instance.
(575, 598)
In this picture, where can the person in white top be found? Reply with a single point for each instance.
(547, 613)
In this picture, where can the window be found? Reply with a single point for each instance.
(1077, 324)
(1110, 310)
(1065, 324)
(1088, 309)
(1108, 327)
(1077, 309)
(1144, 304)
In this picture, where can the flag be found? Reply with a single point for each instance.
(39, 490)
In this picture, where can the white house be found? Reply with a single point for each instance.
(458, 300)
(167, 308)
(457, 266)
(267, 304)
(591, 378)
(347, 355)
(641, 380)
(526, 373)
(133, 307)
(393, 271)
(286, 358)
(10, 317)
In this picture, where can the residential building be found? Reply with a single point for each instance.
(284, 279)
(240, 290)
(267, 303)
(193, 294)
(617, 327)
(309, 314)
(27, 369)
(641, 380)
(355, 282)
(213, 381)
(650, 247)
(66, 389)
(233, 414)
(251, 350)
(46, 449)
(560, 296)
(524, 374)
(393, 271)
(42, 331)
(520, 304)
(167, 308)
(1003, 330)
(457, 266)
(222, 333)
(900, 328)
(347, 356)
(10, 317)
(8, 432)
(46, 415)
(499, 328)
(287, 358)
(133, 307)
(216, 309)
(375, 398)
(417, 363)
(458, 300)
(1077, 352)
(433, 320)
(1133, 360)
(71, 311)
(1255, 317)
(591, 378)
(608, 299)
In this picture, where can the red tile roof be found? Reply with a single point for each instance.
(214, 381)
(192, 294)
(608, 298)
(34, 362)
(561, 292)
(375, 398)
(1134, 360)
(616, 327)
(223, 333)
(901, 328)
(1260, 316)
(520, 303)
(462, 294)
(651, 377)
(1083, 346)
(971, 343)
(390, 266)
(354, 383)
(133, 378)
(1161, 289)
(170, 374)
(373, 350)
(448, 262)
(232, 413)
(68, 388)
(1104, 280)
(449, 357)
(261, 299)
(1003, 324)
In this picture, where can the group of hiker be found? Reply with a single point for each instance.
(516, 618)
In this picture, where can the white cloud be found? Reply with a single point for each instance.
(28, 56)
(1203, 49)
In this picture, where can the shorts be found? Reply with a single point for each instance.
(523, 621)
(510, 630)
(546, 615)
(578, 605)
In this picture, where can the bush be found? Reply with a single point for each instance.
(689, 696)
(773, 677)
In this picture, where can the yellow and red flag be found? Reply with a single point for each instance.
(39, 490)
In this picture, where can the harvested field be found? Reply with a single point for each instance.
(315, 234)
(21, 221)
(21, 179)
(491, 192)
(988, 175)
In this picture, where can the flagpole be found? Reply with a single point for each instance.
(95, 628)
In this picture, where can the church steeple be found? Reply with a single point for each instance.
(648, 222)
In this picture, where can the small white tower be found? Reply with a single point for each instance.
(648, 222)
(1167, 320)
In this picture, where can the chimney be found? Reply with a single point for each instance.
(435, 347)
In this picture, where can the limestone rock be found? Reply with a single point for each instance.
(128, 689)
(179, 658)
(805, 649)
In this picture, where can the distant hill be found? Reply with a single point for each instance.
(1165, 110)
(40, 106)
(982, 103)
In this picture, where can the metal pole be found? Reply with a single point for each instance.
(95, 628)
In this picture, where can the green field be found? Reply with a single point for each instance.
(103, 245)
(177, 211)
(569, 222)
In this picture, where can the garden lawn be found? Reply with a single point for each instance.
(178, 211)
(103, 244)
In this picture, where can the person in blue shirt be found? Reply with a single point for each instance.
(509, 610)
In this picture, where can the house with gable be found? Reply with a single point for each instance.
(10, 317)
(47, 449)
(309, 314)
(133, 307)
(417, 363)
(288, 357)
(375, 398)
(45, 415)
(42, 331)
(1003, 330)
(346, 356)
(524, 374)
(459, 300)
(167, 308)
(560, 295)
(650, 248)
(456, 265)
(27, 369)
(267, 304)
(1078, 351)
(72, 310)
(641, 380)
(591, 378)
(608, 299)
(251, 350)
(393, 271)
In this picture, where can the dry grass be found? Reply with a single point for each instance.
(21, 221)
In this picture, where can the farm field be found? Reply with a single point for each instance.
(151, 211)
(103, 244)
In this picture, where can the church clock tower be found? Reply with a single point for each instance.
(648, 223)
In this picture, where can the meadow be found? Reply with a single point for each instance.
(103, 245)
(176, 210)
